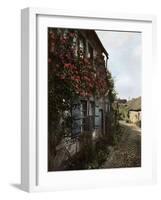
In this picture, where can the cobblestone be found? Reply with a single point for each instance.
(128, 152)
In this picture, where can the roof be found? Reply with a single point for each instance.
(88, 33)
(100, 43)
(134, 104)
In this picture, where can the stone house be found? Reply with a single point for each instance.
(134, 116)
(135, 110)
(89, 115)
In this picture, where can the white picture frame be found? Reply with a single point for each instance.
(33, 134)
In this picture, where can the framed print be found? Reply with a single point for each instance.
(86, 99)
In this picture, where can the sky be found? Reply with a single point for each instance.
(124, 61)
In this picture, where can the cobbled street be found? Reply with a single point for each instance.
(128, 151)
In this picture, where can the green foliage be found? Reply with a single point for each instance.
(92, 154)
(138, 123)
(123, 112)
(111, 86)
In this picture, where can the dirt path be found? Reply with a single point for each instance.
(128, 152)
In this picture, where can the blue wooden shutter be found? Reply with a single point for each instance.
(76, 116)
(97, 117)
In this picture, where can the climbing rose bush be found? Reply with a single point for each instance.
(70, 75)
(68, 64)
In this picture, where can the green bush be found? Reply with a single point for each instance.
(91, 155)
(138, 123)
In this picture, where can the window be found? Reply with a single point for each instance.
(65, 33)
(107, 110)
(84, 108)
(90, 52)
(92, 115)
(75, 45)
(91, 108)
(84, 116)
(82, 46)
(88, 115)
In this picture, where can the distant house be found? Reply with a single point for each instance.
(134, 107)
(121, 101)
